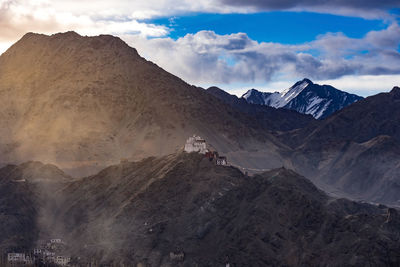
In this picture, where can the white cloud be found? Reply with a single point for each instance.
(370, 9)
(207, 58)
(20, 16)
(364, 85)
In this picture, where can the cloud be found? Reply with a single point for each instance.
(364, 85)
(285, 4)
(209, 58)
(20, 16)
(366, 8)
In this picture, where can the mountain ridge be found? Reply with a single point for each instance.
(305, 97)
(214, 215)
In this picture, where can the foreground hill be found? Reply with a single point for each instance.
(183, 210)
(86, 102)
(305, 97)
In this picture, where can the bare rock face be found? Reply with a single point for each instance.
(87, 102)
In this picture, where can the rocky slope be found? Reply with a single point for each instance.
(26, 204)
(305, 97)
(18, 215)
(356, 150)
(183, 210)
(270, 118)
(86, 102)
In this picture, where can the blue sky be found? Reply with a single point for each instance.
(236, 44)
(276, 26)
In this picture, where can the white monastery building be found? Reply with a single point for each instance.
(196, 144)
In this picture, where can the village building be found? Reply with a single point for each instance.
(18, 258)
(63, 261)
(177, 256)
(196, 144)
(47, 252)
(221, 161)
(56, 241)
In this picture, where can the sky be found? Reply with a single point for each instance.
(353, 45)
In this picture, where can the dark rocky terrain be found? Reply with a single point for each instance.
(183, 210)
(26, 201)
(356, 150)
(18, 214)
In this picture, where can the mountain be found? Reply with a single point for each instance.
(84, 103)
(183, 210)
(270, 118)
(305, 97)
(356, 150)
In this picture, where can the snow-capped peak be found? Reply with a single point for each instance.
(278, 100)
(318, 100)
(249, 93)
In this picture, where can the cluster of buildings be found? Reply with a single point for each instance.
(199, 145)
(47, 252)
(19, 258)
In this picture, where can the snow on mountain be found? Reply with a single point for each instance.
(305, 97)
(254, 96)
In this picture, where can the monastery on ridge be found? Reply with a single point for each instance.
(197, 144)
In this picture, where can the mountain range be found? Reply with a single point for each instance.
(115, 184)
(305, 97)
(355, 149)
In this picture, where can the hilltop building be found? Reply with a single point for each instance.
(196, 144)
(221, 161)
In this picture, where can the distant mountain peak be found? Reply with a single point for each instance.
(249, 92)
(305, 81)
(68, 33)
(63, 35)
(305, 97)
(70, 36)
(292, 92)
(395, 91)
